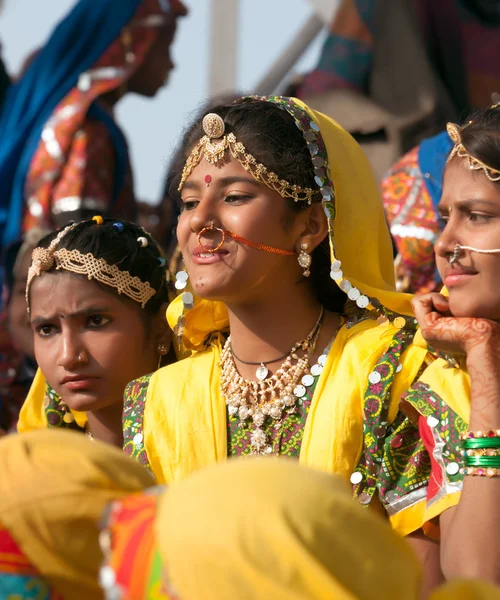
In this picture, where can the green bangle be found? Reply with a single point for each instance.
(482, 461)
(480, 443)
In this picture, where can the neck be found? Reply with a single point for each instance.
(265, 331)
(105, 424)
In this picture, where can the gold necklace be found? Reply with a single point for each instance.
(255, 402)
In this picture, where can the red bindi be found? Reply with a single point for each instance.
(208, 179)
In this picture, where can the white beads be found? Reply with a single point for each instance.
(356, 478)
(336, 275)
(362, 302)
(432, 421)
(353, 294)
(345, 286)
(181, 279)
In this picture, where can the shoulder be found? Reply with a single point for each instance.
(369, 338)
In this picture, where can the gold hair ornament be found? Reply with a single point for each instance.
(455, 133)
(214, 146)
(73, 261)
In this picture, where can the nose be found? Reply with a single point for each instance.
(203, 215)
(447, 242)
(71, 353)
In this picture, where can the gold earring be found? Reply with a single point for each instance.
(304, 259)
(162, 350)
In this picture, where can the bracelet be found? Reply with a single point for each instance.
(483, 461)
(482, 452)
(481, 443)
(479, 472)
(480, 434)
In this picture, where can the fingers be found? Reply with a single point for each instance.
(429, 303)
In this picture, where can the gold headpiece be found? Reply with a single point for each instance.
(455, 133)
(46, 259)
(214, 145)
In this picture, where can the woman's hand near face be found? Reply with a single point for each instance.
(462, 335)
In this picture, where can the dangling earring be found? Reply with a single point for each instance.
(304, 259)
(162, 351)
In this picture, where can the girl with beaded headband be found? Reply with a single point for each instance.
(96, 292)
(286, 246)
(456, 411)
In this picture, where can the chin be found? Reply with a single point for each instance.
(84, 402)
(460, 308)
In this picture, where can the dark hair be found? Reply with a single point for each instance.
(8, 260)
(271, 136)
(120, 247)
(481, 136)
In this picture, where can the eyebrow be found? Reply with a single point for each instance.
(468, 204)
(85, 312)
(223, 182)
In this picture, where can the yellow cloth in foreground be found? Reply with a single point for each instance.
(255, 529)
(54, 486)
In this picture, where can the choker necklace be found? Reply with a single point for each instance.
(267, 398)
(262, 372)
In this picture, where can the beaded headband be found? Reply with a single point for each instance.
(46, 259)
(455, 133)
(214, 145)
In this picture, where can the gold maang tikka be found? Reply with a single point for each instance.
(215, 145)
(455, 133)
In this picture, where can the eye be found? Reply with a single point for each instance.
(237, 198)
(479, 217)
(97, 321)
(189, 205)
(46, 330)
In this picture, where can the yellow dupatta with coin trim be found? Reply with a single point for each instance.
(185, 414)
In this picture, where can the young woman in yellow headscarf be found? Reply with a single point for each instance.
(54, 487)
(456, 411)
(286, 248)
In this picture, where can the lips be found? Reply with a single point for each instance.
(455, 275)
(78, 382)
(206, 252)
(202, 257)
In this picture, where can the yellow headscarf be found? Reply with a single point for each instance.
(255, 529)
(54, 486)
(185, 416)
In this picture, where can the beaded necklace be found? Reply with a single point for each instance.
(267, 398)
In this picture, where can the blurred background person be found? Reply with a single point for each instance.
(62, 154)
(17, 357)
(395, 72)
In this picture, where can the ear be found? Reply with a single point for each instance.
(315, 227)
